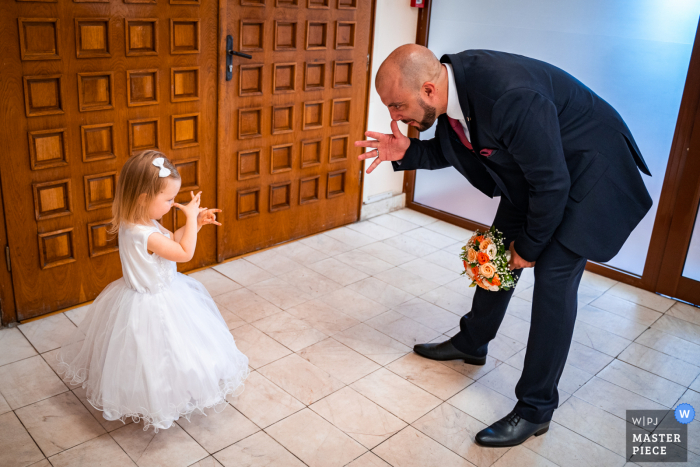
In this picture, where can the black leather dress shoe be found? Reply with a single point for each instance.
(446, 351)
(511, 430)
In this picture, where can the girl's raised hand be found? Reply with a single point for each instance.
(192, 208)
(207, 216)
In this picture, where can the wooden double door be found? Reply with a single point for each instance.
(85, 84)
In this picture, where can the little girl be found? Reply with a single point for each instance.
(153, 345)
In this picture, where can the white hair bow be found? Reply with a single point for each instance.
(164, 171)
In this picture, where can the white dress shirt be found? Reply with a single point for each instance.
(454, 110)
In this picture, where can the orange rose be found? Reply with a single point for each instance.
(485, 244)
(466, 266)
(482, 257)
(471, 255)
(475, 271)
(487, 270)
(480, 238)
(496, 280)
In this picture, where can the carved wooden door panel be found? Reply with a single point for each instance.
(83, 85)
(288, 119)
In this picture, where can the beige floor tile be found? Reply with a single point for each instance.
(28, 381)
(695, 385)
(430, 237)
(461, 286)
(301, 379)
(51, 358)
(243, 272)
(310, 282)
(411, 448)
(17, 449)
(502, 347)
(679, 328)
(456, 233)
(524, 293)
(14, 346)
(372, 344)
(260, 348)
(446, 260)
(315, 441)
(108, 425)
(685, 312)
(456, 430)
(586, 295)
(527, 277)
(368, 459)
(102, 451)
(428, 314)
(564, 447)
(353, 304)
(358, 417)
(395, 223)
(48, 333)
(232, 320)
(372, 230)
(291, 332)
(626, 309)
(482, 403)
(339, 360)
(450, 300)
(515, 328)
(595, 281)
(280, 293)
(410, 245)
(611, 322)
(407, 281)
(689, 397)
(207, 462)
(475, 372)
(381, 292)
(215, 282)
(388, 253)
(42, 463)
(587, 359)
(523, 457)
(641, 297)
(395, 394)
(503, 380)
(247, 305)
(273, 262)
(599, 339)
(573, 378)
(326, 244)
(264, 402)
(670, 345)
(259, 450)
(642, 382)
(216, 431)
(338, 271)
(76, 315)
(414, 217)
(403, 329)
(437, 379)
(172, 447)
(660, 364)
(4, 406)
(364, 262)
(593, 423)
(519, 308)
(614, 399)
(323, 317)
(59, 423)
(350, 237)
(300, 253)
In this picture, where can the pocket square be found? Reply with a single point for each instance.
(486, 152)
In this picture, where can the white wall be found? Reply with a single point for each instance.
(394, 25)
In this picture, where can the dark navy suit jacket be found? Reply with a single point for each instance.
(559, 152)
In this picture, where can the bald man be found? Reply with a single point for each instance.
(566, 168)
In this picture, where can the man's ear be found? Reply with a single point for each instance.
(429, 90)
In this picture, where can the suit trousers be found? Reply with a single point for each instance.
(558, 272)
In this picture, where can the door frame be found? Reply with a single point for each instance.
(678, 156)
(222, 117)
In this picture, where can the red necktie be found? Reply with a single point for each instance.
(457, 127)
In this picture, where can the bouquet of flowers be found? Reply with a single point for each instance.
(486, 261)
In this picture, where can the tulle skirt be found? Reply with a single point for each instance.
(155, 357)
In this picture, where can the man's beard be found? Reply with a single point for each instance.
(428, 116)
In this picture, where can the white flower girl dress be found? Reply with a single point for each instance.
(153, 345)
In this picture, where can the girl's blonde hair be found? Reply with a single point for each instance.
(138, 177)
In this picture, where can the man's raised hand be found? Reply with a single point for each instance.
(388, 147)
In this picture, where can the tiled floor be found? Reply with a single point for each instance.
(328, 323)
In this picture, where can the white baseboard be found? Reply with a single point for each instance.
(383, 206)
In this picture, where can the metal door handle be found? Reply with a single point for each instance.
(229, 57)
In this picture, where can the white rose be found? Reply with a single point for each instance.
(492, 251)
(493, 288)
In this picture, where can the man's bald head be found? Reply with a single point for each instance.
(409, 67)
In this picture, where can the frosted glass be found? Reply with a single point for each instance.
(634, 54)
